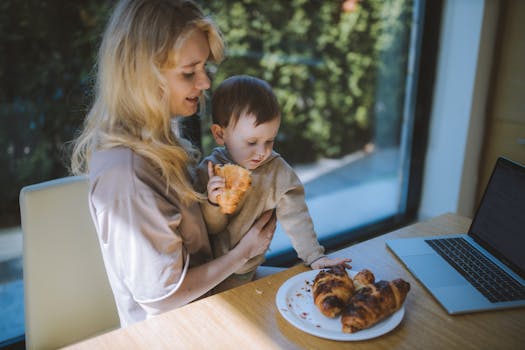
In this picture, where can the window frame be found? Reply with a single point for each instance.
(425, 71)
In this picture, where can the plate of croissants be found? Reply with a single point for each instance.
(341, 304)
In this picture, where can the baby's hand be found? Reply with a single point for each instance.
(327, 262)
(215, 184)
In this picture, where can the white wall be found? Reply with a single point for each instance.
(458, 112)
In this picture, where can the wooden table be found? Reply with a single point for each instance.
(247, 318)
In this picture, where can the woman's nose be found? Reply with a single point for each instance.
(203, 82)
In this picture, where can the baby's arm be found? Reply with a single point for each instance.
(215, 185)
(297, 222)
(215, 221)
(325, 261)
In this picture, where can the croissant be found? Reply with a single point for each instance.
(332, 289)
(238, 180)
(362, 278)
(373, 303)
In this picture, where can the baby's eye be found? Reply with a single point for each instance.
(188, 75)
(251, 143)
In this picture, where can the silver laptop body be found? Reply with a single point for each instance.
(497, 231)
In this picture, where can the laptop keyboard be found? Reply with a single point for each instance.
(494, 283)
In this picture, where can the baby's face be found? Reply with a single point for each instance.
(250, 145)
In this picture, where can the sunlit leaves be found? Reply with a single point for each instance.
(324, 64)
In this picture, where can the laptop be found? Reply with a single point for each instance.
(495, 242)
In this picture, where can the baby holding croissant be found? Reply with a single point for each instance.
(245, 177)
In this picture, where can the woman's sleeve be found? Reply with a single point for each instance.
(142, 243)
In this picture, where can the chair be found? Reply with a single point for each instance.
(66, 290)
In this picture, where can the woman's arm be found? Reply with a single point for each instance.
(201, 279)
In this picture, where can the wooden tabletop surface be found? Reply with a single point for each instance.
(247, 318)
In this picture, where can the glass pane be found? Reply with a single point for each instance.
(48, 50)
(342, 71)
(11, 285)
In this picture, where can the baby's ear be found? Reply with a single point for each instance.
(218, 134)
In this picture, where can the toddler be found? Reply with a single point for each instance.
(245, 122)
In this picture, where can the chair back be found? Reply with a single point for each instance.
(66, 290)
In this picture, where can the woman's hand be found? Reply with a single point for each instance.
(257, 240)
(215, 184)
(327, 262)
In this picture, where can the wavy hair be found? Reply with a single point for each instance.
(131, 106)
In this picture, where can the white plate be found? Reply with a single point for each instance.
(295, 303)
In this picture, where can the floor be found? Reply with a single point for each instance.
(344, 182)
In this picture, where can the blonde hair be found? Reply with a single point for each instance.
(131, 106)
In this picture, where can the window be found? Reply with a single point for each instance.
(353, 78)
(347, 75)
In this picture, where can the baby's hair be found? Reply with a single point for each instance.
(244, 94)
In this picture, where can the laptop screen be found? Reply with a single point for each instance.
(499, 223)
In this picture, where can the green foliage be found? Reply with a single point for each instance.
(339, 76)
(326, 66)
(48, 50)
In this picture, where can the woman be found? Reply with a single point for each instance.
(151, 71)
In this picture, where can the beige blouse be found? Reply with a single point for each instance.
(147, 237)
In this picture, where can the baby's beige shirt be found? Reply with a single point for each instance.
(274, 185)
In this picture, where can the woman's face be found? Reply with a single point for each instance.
(188, 79)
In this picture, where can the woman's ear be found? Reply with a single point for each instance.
(218, 134)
